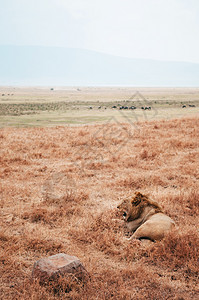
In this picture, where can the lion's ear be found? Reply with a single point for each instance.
(135, 202)
(137, 199)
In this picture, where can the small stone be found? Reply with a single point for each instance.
(50, 268)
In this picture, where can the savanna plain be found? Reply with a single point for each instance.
(68, 156)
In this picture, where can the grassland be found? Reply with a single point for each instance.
(46, 107)
(60, 187)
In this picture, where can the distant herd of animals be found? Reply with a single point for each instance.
(122, 106)
(125, 107)
(190, 105)
(143, 107)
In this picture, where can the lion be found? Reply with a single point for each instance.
(145, 218)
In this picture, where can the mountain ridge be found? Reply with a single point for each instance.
(42, 65)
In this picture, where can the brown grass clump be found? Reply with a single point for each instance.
(102, 232)
(59, 189)
(177, 250)
(13, 244)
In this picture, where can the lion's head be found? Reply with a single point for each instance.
(132, 208)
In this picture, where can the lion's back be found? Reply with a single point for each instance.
(155, 227)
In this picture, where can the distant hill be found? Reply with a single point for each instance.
(32, 65)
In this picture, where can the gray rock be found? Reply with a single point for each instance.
(50, 268)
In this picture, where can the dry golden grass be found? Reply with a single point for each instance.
(59, 189)
(40, 107)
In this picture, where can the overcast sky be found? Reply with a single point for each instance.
(157, 29)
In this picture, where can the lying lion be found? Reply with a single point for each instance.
(145, 218)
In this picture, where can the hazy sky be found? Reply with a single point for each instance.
(157, 29)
